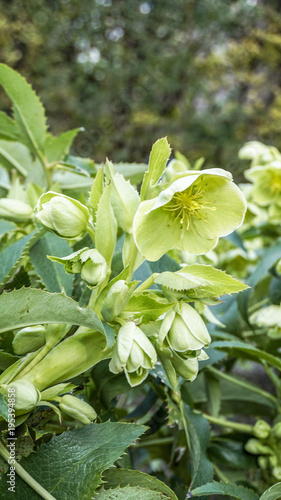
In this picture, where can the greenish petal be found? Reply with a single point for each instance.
(191, 241)
(135, 359)
(145, 344)
(181, 339)
(195, 323)
(135, 378)
(166, 325)
(125, 341)
(155, 232)
(230, 208)
(187, 369)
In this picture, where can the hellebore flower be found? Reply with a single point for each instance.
(90, 263)
(26, 395)
(62, 215)
(133, 353)
(267, 183)
(29, 339)
(191, 214)
(181, 339)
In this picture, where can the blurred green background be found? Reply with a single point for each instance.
(206, 73)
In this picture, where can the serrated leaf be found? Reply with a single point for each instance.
(10, 256)
(158, 158)
(123, 477)
(272, 493)
(106, 227)
(70, 466)
(19, 156)
(131, 171)
(129, 493)
(29, 306)
(225, 489)
(58, 147)
(8, 127)
(145, 307)
(28, 110)
(251, 351)
(205, 280)
(199, 434)
(51, 273)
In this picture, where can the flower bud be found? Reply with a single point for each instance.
(133, 353)
(29, 339)
(15, 210)
(26, 395)
(174, 169)
(63, 215)
(255, 447)
(90, 263)
(261, 429)
(183, 331)
(276, 472)
(263, 462)
(93, 267)
(77, 409)
(273, 461)
(277, 430)
(115, 300)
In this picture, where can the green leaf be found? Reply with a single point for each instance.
(125, 477)
(29, 306)
(206, 280)
(3, 407)
(96, 192)
(6, 226)
(106, 227)
(58, 147)
(8, 127)
(225, 489)
(157, 163)
(131, 171)
(273, 493)
(28, 110)
(214, 394)
(51, 273)
(252, 351)
(145, 307)
(11, 255)
(129, 493)
(199, 434)
(8, 160)
(70, 466)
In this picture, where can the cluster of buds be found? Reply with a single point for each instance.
(182, 337)
(267, 445)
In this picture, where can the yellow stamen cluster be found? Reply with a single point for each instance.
(188, 204)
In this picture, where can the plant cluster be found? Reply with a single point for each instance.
(118, 319)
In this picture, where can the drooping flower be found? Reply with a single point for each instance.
(267, 183)
(62, 215)
(133, 353)
(191, 214)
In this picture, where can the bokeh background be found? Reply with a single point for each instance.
(206, 73)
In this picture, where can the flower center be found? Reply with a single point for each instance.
(188, 204)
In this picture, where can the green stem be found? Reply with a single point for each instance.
(25, 476)
(248, 429)
(220, 474)
(147, 283)
(153, 442)
(91, 231)
(243, 383)
(181, 408)
(274, 378)
(43, 352)
(132, 258)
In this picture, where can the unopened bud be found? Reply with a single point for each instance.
(26, 395)
(115, 300)
(15, 210)
(77, 409)
(90, 263)
(63, 215)
(255, 447)
(29, 339)
(277, 430)
(261, 429)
